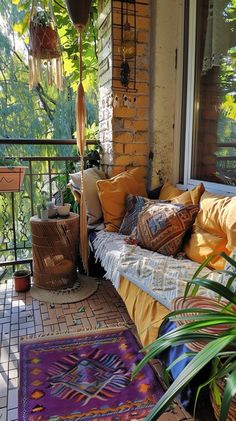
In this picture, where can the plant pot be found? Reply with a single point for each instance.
(217, 408)
(11, 178)
(22, 280)
(63, 210)
(78, 11)
(52, 212)
(44, 42)
(44, 214)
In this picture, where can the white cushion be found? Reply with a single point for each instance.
(91, 176)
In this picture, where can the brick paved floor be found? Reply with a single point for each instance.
(21, 315)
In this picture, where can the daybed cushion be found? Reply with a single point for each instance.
(91, 176)
(133, 207)
(162, 226)
(112, 194)
(169, 192)
(214, 229)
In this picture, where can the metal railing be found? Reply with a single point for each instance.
(44, 177)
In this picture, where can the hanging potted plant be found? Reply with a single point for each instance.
(45, 49)
(43, 37)
(11, 175)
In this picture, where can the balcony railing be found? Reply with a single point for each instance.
(49, 165)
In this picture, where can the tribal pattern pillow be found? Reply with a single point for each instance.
(162, 226)
(134, 205)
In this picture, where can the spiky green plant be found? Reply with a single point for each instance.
(219, 349)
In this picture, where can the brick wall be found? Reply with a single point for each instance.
(123, 114)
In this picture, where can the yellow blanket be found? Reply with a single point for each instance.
(146, 312)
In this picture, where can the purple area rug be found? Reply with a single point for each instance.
(85, 377)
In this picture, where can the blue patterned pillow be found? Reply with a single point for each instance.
(134, 205)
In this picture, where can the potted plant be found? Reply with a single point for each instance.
(43, 35)
(218, 347)
(22, 280)
(63, 208)
(11, 175)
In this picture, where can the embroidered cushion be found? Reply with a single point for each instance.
(162, 226)
(134, 205)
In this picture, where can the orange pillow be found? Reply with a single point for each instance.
(112, 194)
(214, 229)
(169, 192)
(189, 197)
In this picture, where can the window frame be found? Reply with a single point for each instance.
(191, 106)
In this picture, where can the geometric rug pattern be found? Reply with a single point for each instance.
(85, 377)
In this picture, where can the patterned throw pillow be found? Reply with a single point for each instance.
(162, 226)
(134, 205)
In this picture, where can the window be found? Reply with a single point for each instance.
(210, 137)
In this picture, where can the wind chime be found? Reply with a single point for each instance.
(45, 55)
(79, 13)
(127, 48)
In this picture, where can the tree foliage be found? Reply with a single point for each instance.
(43, 112)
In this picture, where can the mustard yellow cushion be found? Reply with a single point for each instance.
(169, 192)
(190, 197)
(112, 194)
(214, 229)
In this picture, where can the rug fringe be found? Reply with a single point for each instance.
(76, 333)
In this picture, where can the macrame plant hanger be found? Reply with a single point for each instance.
(79, 13)
(45, 54)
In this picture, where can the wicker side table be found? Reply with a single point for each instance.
(55, 251)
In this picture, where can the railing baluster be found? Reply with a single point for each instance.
(16, 251)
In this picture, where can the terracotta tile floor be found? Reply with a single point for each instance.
(21, 315)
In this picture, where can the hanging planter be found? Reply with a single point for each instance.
(11, 178)
(78, 11)
(45, 50)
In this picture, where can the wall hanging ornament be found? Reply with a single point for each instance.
(45, 54)
(79, 13)
(127, 48)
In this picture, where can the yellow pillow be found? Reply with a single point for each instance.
(214, 229)
(112, 194)
(169, 192)
(190, 197)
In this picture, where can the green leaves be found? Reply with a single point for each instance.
(229, 393)
(197, 363)
(219, 348)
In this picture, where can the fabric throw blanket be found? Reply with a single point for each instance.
(108, 248)
(162, 277)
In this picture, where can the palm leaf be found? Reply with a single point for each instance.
(216, 287)
(204, 265)
(180, 358)
(197, 363)
(229, 393)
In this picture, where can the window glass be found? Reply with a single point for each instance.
(214, 124)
